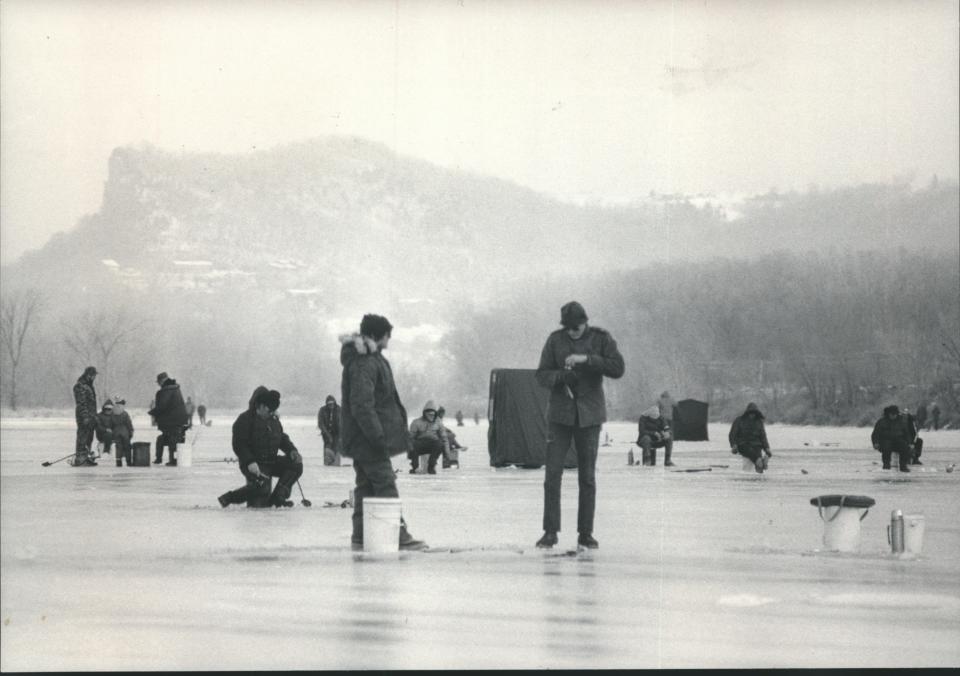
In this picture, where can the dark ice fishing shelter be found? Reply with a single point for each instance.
(517, 411)
(690, 420)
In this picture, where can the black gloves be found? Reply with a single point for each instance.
(569, 377)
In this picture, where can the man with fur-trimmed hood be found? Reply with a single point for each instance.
(258, 437)
(748, 437)
(373, 421)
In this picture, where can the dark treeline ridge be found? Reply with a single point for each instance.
(820, 338)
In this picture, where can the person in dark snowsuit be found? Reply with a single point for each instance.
(891, 434)
(935, 415)
(105, 426)
(328, 420)
(85, 398)
(373, 420)
(573, 363)
(202, 413)
(748, 437)
(257, 439)
(921, 417)
(171, 416)
(653, 432)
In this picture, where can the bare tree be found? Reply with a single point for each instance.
(18, 312)
(95, 337)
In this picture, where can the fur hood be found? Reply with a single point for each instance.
(354, 345)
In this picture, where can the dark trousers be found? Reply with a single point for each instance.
(123, 450)
(106, 438)
(423, 446)
(85, 433)
(168, 438)
(375, 479)
(649, 449)
(586, 440)
(287, 472)
(903, 457)
(754, 452)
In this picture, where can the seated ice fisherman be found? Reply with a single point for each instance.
(748, 437)
(122, 431)
(428, 439)
(257, 438)
(104, 426)
(653, 433)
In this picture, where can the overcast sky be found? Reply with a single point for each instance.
(593, 100)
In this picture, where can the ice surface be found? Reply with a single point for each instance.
(139, 568)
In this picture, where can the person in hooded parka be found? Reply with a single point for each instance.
(748, 437)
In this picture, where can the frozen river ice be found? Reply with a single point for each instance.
(106, 568)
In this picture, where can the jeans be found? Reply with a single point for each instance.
(375, 479)
(586, 440)
(85, 433)
(168, 438)
(423, 446)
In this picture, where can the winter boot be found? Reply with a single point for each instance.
(666, 459)
(280, 496)
(586, 540)
(158, 460)
(172, 463)
(408, 542)
(548, 540)
(651, 459)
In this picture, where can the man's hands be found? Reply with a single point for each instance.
(569, 378)
(296, 457)
(574, 359)
(254, 469)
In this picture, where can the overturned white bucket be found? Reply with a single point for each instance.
(381, 525)
(913, 525)
(841, 515)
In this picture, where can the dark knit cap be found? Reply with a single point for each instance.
(90, 371)
(375, 326)
(572, 315)
(330, 399)
(162, 377)
(270, 398)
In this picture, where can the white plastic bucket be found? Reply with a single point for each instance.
(841, 528)
(184, 455)
(913, 525)
(381, 525)
(424, 462)
(749, 465)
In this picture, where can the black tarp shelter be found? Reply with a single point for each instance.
(517, 411)
(690, 420)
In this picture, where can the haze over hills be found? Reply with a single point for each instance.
(246, 263)
(341, 215)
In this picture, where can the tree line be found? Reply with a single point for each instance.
(825, 337)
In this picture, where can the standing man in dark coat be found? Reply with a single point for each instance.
(573, 363)
(171, 416)
(85, 398)
(258, 437)
(373, 421)
(892, 435)
(748, 437)
(328, 420)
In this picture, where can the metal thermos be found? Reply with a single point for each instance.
(895, 531)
